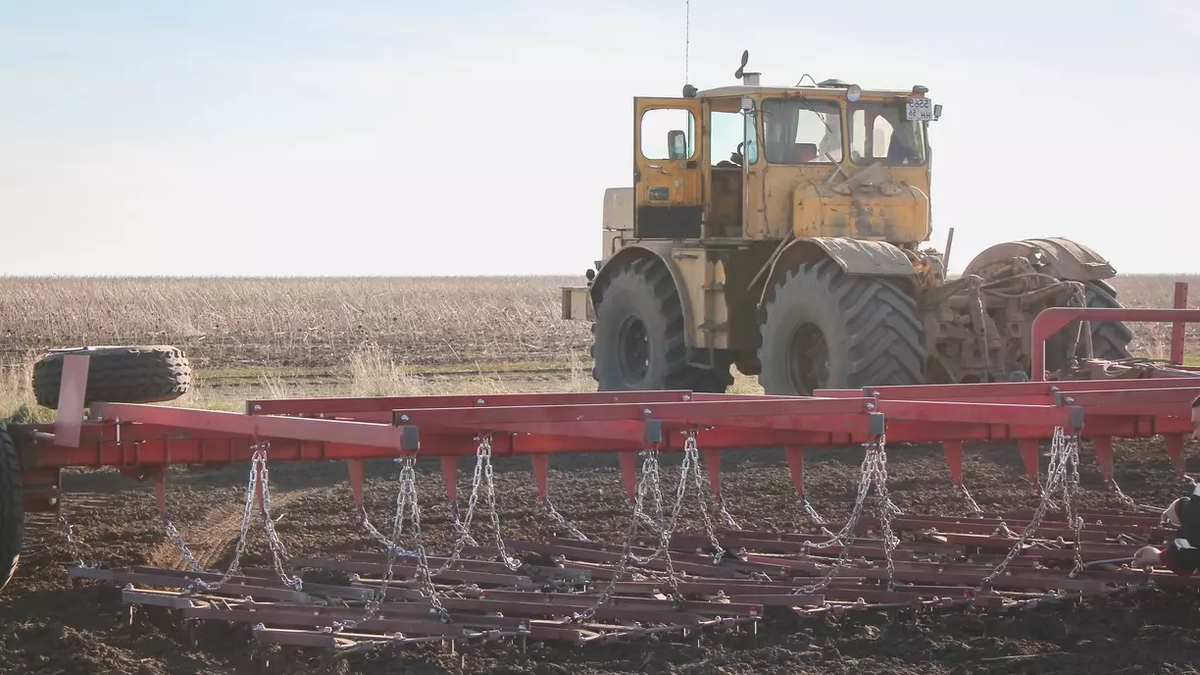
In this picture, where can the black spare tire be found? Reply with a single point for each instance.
(134, 374)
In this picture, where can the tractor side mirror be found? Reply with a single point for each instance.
(676, 144)
(937, 111)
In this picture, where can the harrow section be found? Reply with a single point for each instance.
(657, 579)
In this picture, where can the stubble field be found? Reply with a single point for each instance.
(325, 337)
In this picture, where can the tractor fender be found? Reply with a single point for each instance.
(660, 251)
(1062, 258)
(854, 256)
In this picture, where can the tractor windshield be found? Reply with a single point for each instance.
(880, 131)
(800, 131)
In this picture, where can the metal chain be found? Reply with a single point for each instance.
(887, 509)
(971, 503)
(1070, 489)
(845, 538)
(847, 531)
(181, 545)
(243, 530)
(72, 545)
(1060, 448)
(406, 501)
(562, 522)
(485, 452)
(424, 574)
(689, 449)
(1124, 498)
(811, 512)
(649, 471)
(463, 527)
(392, 547)
(279, 554)
(664, 534)
(374, 533)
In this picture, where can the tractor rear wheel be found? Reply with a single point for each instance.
(12, 508)
(827, 329)
(639, 335)
(139, 374)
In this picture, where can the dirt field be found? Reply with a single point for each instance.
(435, 336)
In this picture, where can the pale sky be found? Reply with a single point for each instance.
(396, 138)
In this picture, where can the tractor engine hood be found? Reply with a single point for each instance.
(866, 206)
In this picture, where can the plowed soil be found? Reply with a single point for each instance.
(51, 628)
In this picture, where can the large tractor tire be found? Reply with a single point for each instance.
(1110, 339)
(638, 340)
(140, 374)
(12, 510)
(827, 329)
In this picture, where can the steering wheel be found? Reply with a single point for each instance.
(737, 157)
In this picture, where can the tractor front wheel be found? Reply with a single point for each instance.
(827, 329)
(12, 510)
(639, 335)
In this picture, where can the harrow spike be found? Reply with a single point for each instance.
(1030, 448)
(354, 469)
(795, 460)
(541, 468)
(450, 478)
(1102, 446)
(628, 472)
(1174, 443)
(160, 490)
(712, 463)
(953, 450)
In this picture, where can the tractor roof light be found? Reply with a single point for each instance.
(853, 93)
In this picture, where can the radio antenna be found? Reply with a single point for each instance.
(687, 38)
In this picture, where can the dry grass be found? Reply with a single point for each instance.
(1154, 339)
(310, 322)
(285, 337)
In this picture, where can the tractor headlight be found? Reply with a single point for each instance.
(853, 92)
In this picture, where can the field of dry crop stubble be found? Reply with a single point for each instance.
(380, 336)
(361, 336)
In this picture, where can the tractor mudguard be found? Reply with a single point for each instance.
(1061, 258)
(854, 256)
(648, 249)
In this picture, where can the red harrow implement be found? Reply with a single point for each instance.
(655, 580)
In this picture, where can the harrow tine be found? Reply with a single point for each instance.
(1174, 444)
(354, 468)
(1030, 448)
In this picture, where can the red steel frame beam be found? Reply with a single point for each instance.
(156, 435)
(384, 405)
(133, 435)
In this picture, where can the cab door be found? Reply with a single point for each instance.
(667, 150)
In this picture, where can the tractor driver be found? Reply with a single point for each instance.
(1182, 554)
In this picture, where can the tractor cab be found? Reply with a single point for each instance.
(759, 162)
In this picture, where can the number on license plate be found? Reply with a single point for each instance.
(920, 109)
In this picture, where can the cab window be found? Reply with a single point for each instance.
(800, 131)
(880, 132)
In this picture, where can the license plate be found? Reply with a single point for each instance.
(920, 109)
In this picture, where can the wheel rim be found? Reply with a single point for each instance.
(633, 350)
(807, 359)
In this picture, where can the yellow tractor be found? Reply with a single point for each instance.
(780, 229)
